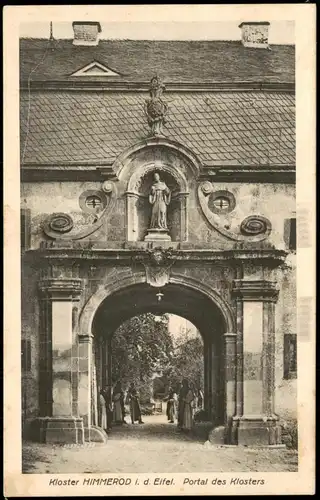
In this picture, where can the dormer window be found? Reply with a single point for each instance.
(95, 69)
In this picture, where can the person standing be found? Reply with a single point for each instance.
(171, 405)
(186, 399)
(134, 402)
(200, 399)
(118, 404)
(102, 411)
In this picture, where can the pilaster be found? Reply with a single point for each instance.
(255, 421)
(59, 366)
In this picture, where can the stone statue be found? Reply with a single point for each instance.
(155, 108)
(159, 197)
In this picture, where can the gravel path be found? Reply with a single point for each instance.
(156, 446)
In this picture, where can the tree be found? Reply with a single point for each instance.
(141, 347)
(187, 361)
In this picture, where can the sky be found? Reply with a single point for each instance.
(177, 324)
(281, 32)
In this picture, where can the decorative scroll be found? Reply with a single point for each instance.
(253, 228)
(56, 225)
(60, 222)
(254, 225)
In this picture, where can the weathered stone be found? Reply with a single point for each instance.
(217, 435)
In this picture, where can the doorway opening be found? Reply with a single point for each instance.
(155, 344)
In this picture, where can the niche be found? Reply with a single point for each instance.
(139, 209)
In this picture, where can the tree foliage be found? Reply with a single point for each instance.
(187, 360)
(140, 347)
(143, 347)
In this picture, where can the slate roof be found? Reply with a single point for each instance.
(174, 61)
(234, 128)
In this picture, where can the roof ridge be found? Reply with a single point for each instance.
(155, 40)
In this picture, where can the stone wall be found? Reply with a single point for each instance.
(275, 202)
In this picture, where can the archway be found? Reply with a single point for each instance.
(188, 300)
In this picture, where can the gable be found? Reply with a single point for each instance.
(95, 69)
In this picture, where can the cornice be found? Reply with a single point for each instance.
(255, 290)
(284, 174)
(65, 253)
(61, 289)
(128, 86)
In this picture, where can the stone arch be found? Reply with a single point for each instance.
(129, 279)
(143, 170)
(126, 156)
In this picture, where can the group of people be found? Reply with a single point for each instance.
(182, 407)
(112, 406)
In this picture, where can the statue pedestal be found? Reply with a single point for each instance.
(157, 235)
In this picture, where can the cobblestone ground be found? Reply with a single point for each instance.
(154, 447)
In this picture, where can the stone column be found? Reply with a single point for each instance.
(230, 356)
(183, 198)
(255, 421)
(206, 389)
(109, 360)
(132, 216)
(60, 361)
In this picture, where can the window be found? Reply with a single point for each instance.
(93, 202)
(221, 202)
(290, 356)
(25, 355)
(290, 234)
(25, 235)
(293, 234)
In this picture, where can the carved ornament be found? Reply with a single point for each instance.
(56, 225)
(157, 263)
(254, 225)
(60, 222)
(252, 229)
(155, 107)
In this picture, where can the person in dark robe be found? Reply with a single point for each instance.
(171, 405)
(134, 402)
(118, 404)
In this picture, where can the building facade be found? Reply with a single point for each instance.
(158, 176)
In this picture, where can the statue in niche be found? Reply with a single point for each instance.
(159, 198)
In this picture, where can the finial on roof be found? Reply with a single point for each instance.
(51, 32)
(155, 108)
(52, 41)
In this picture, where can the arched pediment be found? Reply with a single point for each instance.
(174, 149)
(143, 170)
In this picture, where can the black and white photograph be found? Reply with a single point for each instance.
(158, 251)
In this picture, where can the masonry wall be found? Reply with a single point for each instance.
(30, 333)
(273, 201)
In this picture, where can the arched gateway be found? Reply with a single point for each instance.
(196, 212)
(225, 289)
(129, 296)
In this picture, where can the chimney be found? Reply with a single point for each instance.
(86, 32)
(255, 34)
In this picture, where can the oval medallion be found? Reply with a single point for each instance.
(254, 225)
(60, 223)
